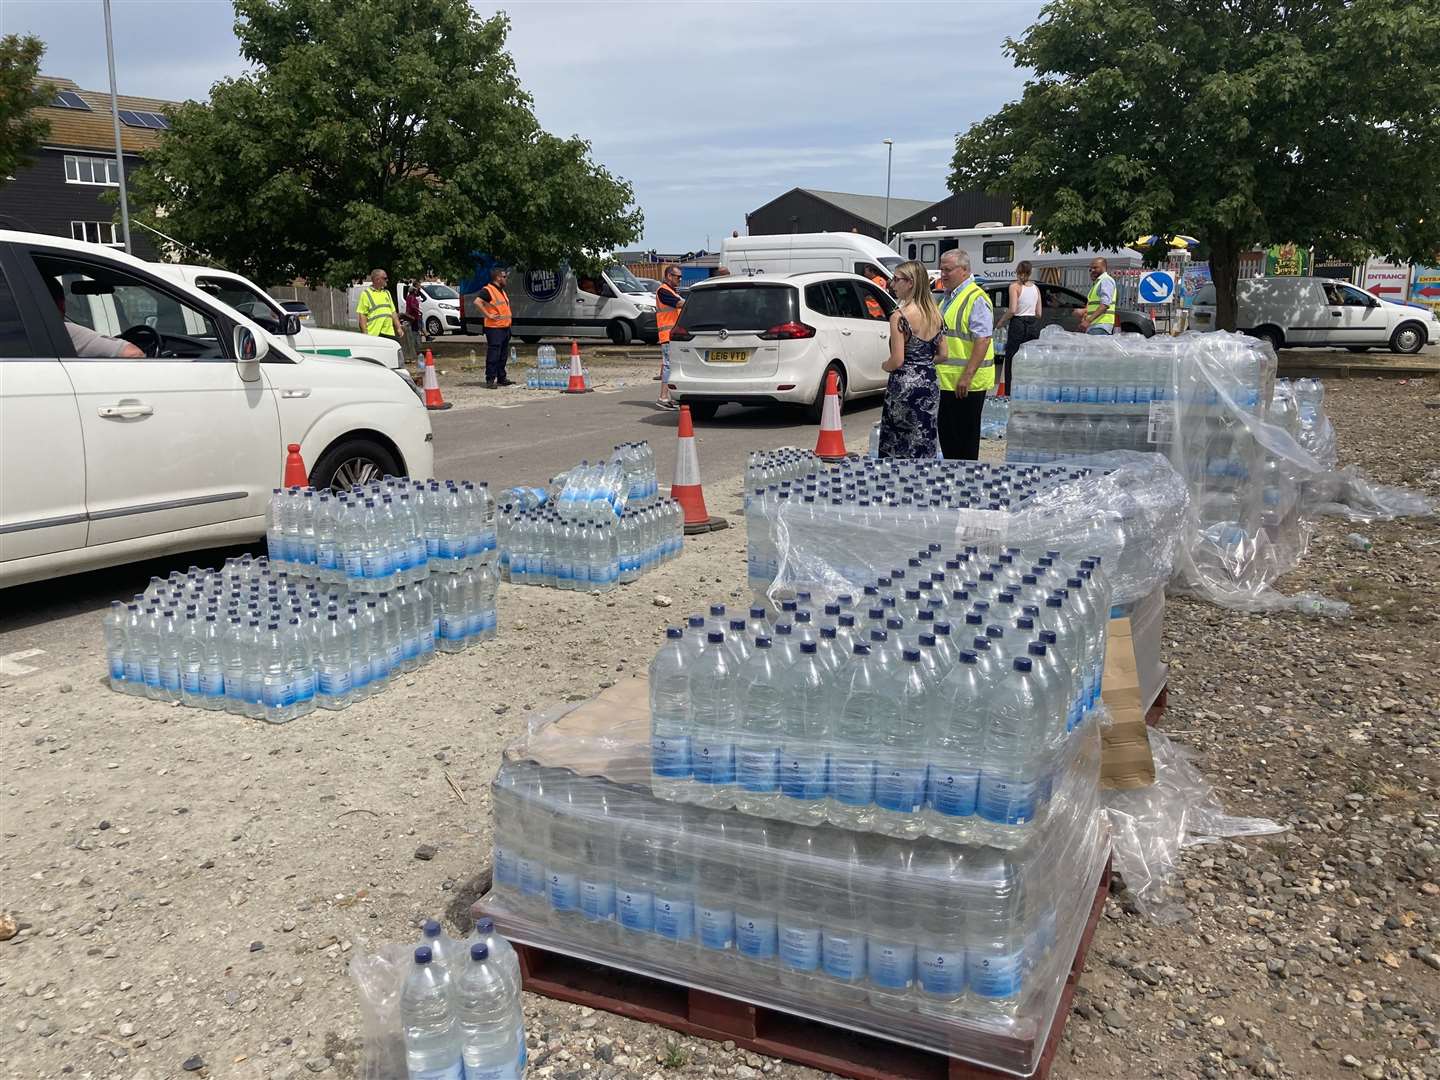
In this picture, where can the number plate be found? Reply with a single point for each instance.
(728, 356)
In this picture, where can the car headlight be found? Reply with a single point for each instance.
(419, 394)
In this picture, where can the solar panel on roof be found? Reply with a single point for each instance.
(68, 99)
(132, 119)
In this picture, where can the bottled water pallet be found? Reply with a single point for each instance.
(558, 970)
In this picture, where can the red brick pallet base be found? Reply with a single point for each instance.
(770, 1031)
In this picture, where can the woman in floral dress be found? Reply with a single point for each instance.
(912, 396)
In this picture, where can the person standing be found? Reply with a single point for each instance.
(1022, 316)
(967, 368)
(909, 419)
(413, 320)
(376, 309)
(668, 303)
(494, 304)
(1099, 317)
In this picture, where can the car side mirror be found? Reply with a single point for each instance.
(249, 351)
(291, 326)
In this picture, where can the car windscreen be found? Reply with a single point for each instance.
(440, 292)
(741, 306)
(624, 280)
(892, 262)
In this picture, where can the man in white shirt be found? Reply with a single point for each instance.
(87, 342)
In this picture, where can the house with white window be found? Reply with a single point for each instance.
(60, 190)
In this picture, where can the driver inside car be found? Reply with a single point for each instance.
(88, 342)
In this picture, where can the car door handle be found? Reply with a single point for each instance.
(845, 333)
(129, 409)
(1336, 314)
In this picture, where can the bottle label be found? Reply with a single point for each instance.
(489, 1072)
(411, 648)
(327, 556)
(759, 771)
(852, 781)
(418, 554)
(713, 762)
(755, 936)
(636, 910)
(134, 672)
(564, 891)
(152, 672)
(305, 686)
(507, 868)
(674, 917)
(452, 628)
(532, 877)
(451, 548)
(941, 973)
(377, 566)
(800, 947)
(670, 756)
(170, 676)
(397, 652)
(892, 964)
(844, 955)
(117, 668)
(190, 681)
(1006, 801)
(277, 695)
(440, 1072)
(995, 976)
(952, 791)
(717, 927)
(802, 777)
(379, 666)
(334, 682)
(900, 788)
(597, 900)
(427, 641)
(359, 676)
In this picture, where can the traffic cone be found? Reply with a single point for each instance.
(686, 489)
(433, 399)
(295, 472)
(577, 376)
(830, 446)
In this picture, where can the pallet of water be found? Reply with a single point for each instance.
(950, 709)
(252, 640)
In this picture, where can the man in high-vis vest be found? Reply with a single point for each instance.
(668, 303)
(1099, 317)
(376, 308)
(967, 368)
(494, 304)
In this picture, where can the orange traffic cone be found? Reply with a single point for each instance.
(577, 374)
(830, 446)
(686, 489)
(295, 474)
(433, 399)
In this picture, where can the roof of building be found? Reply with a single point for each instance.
(869, 208)
(91, 127)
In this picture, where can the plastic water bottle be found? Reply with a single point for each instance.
(713, 719)
(937, 881)
(333, 663)
(994, 929)
(675, 884)
(959, 720)
(866, 705)
(900, 768)
(504, 959)
(114, 627)
(484, 1007)
(759, 730)
(1009, 782)
(801, 906)
(134, 649)
(432, 1038)
(670, 728)
(843, 934)
(756, 893)
(212, 663)
(804, 749)
(716, 857)
(893, 915)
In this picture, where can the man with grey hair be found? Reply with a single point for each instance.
(967, 368)
(376, 308)
(1099, 317)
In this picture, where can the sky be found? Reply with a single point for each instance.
(710, 110)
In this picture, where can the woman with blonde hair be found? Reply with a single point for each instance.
(912, 396)
(1022, 315)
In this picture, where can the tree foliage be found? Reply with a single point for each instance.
(1241, 122)
(21, 131)
(392, 133)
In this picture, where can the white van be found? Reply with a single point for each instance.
(782, 254)
(439, 307)
(561, 303)
(995, 250)
(256, 304)
(1320, 312)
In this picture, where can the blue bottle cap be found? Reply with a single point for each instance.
(861, 649)
(673, 632)
(479, 951)
(762, 642)
(969, 657)
(1022, 663)
(807, 646)
(1037, 648)
(879, 635)
(422, 954)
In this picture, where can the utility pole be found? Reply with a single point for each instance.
(115, 119)
(889, 155)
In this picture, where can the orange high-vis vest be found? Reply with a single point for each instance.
(496, 306)
(666, 317)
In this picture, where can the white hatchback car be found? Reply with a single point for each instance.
(106, 460)
(766, 341)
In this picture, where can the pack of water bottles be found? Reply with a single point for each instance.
(597, 526)
(945, 703)
(994, 417)
(548, 374)
(442, 1009)
(251, 640)
(375, 537)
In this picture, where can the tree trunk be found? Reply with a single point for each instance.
(1225, 274)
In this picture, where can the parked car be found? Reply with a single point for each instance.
(771, 340)
(439, 308)
(1065, 306)
(300, 308)
(1321, 312)
(108, 460)
(256, 304)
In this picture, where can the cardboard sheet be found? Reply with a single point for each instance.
(1125, 760)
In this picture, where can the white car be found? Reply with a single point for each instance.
(106, 460)
(439, 308)
(255, 303)
(771, 340)
(1315, 311)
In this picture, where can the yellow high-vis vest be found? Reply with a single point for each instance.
(1093, 302)
(959, 340)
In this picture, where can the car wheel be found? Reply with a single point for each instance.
(619, 332)
(1357, 348)
(434, 327)
(817, 407)
(1408, 338)
(703, 410)
(1270, 336)
(353, 462)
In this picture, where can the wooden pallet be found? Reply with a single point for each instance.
(773, 1032)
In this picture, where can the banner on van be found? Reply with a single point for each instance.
(1425, 289)
(543, 286)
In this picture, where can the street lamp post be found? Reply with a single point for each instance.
(889, 154)
(115, 118)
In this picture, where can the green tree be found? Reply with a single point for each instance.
(392, 133)
(21, 132)
(1241, 122)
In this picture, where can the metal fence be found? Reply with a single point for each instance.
(333, 308)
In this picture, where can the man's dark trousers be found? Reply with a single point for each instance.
(497, 346)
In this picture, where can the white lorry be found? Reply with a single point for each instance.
(562, 303)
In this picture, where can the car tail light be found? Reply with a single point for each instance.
(679, 333)
(788, 331)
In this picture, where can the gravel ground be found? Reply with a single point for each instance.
(462, 376)
(190, 886)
